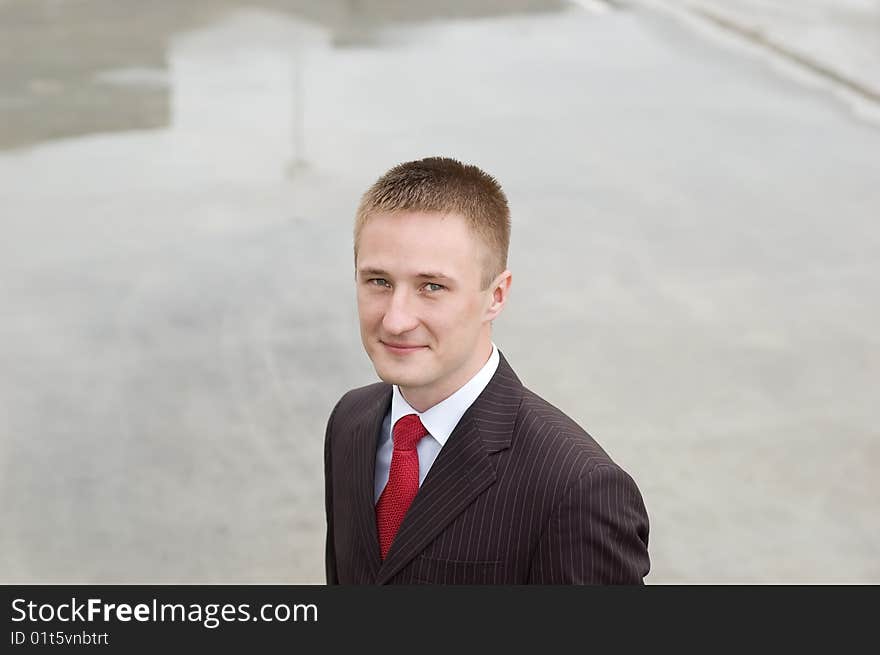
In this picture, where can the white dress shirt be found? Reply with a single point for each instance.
(440, 420)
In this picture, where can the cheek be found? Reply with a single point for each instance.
(368, 308)
(450, 318)
(469, 313)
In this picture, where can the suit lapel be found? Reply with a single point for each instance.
(365, 436)
(462, 471)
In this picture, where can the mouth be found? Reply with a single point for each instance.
(401, 349)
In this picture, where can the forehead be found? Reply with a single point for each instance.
(408, 243)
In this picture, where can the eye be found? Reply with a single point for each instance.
(438, 287)
(378, 281)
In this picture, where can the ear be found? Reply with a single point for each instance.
(500, 291)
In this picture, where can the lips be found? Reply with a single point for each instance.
(401, 348)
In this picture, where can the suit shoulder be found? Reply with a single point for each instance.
(354, 400)
(550, 433)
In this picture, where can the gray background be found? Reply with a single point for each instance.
(694, 259)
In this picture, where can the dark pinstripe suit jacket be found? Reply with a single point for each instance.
(519, 494)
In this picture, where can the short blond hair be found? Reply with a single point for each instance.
(444, 185)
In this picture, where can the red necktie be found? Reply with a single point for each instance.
(403, 479)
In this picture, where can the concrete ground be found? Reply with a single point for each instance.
(693, 253)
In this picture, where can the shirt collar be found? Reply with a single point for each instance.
(441, 419)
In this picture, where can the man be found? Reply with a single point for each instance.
(450, 471)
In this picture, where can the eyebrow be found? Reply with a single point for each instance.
(427, 274)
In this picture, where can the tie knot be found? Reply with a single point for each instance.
(408, 431)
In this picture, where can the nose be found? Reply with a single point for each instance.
(400, 316)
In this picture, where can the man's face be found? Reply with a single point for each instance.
(418, 287)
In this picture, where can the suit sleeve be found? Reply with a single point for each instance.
(330, 551)
(598, 534)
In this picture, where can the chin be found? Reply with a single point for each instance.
(389, 375)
